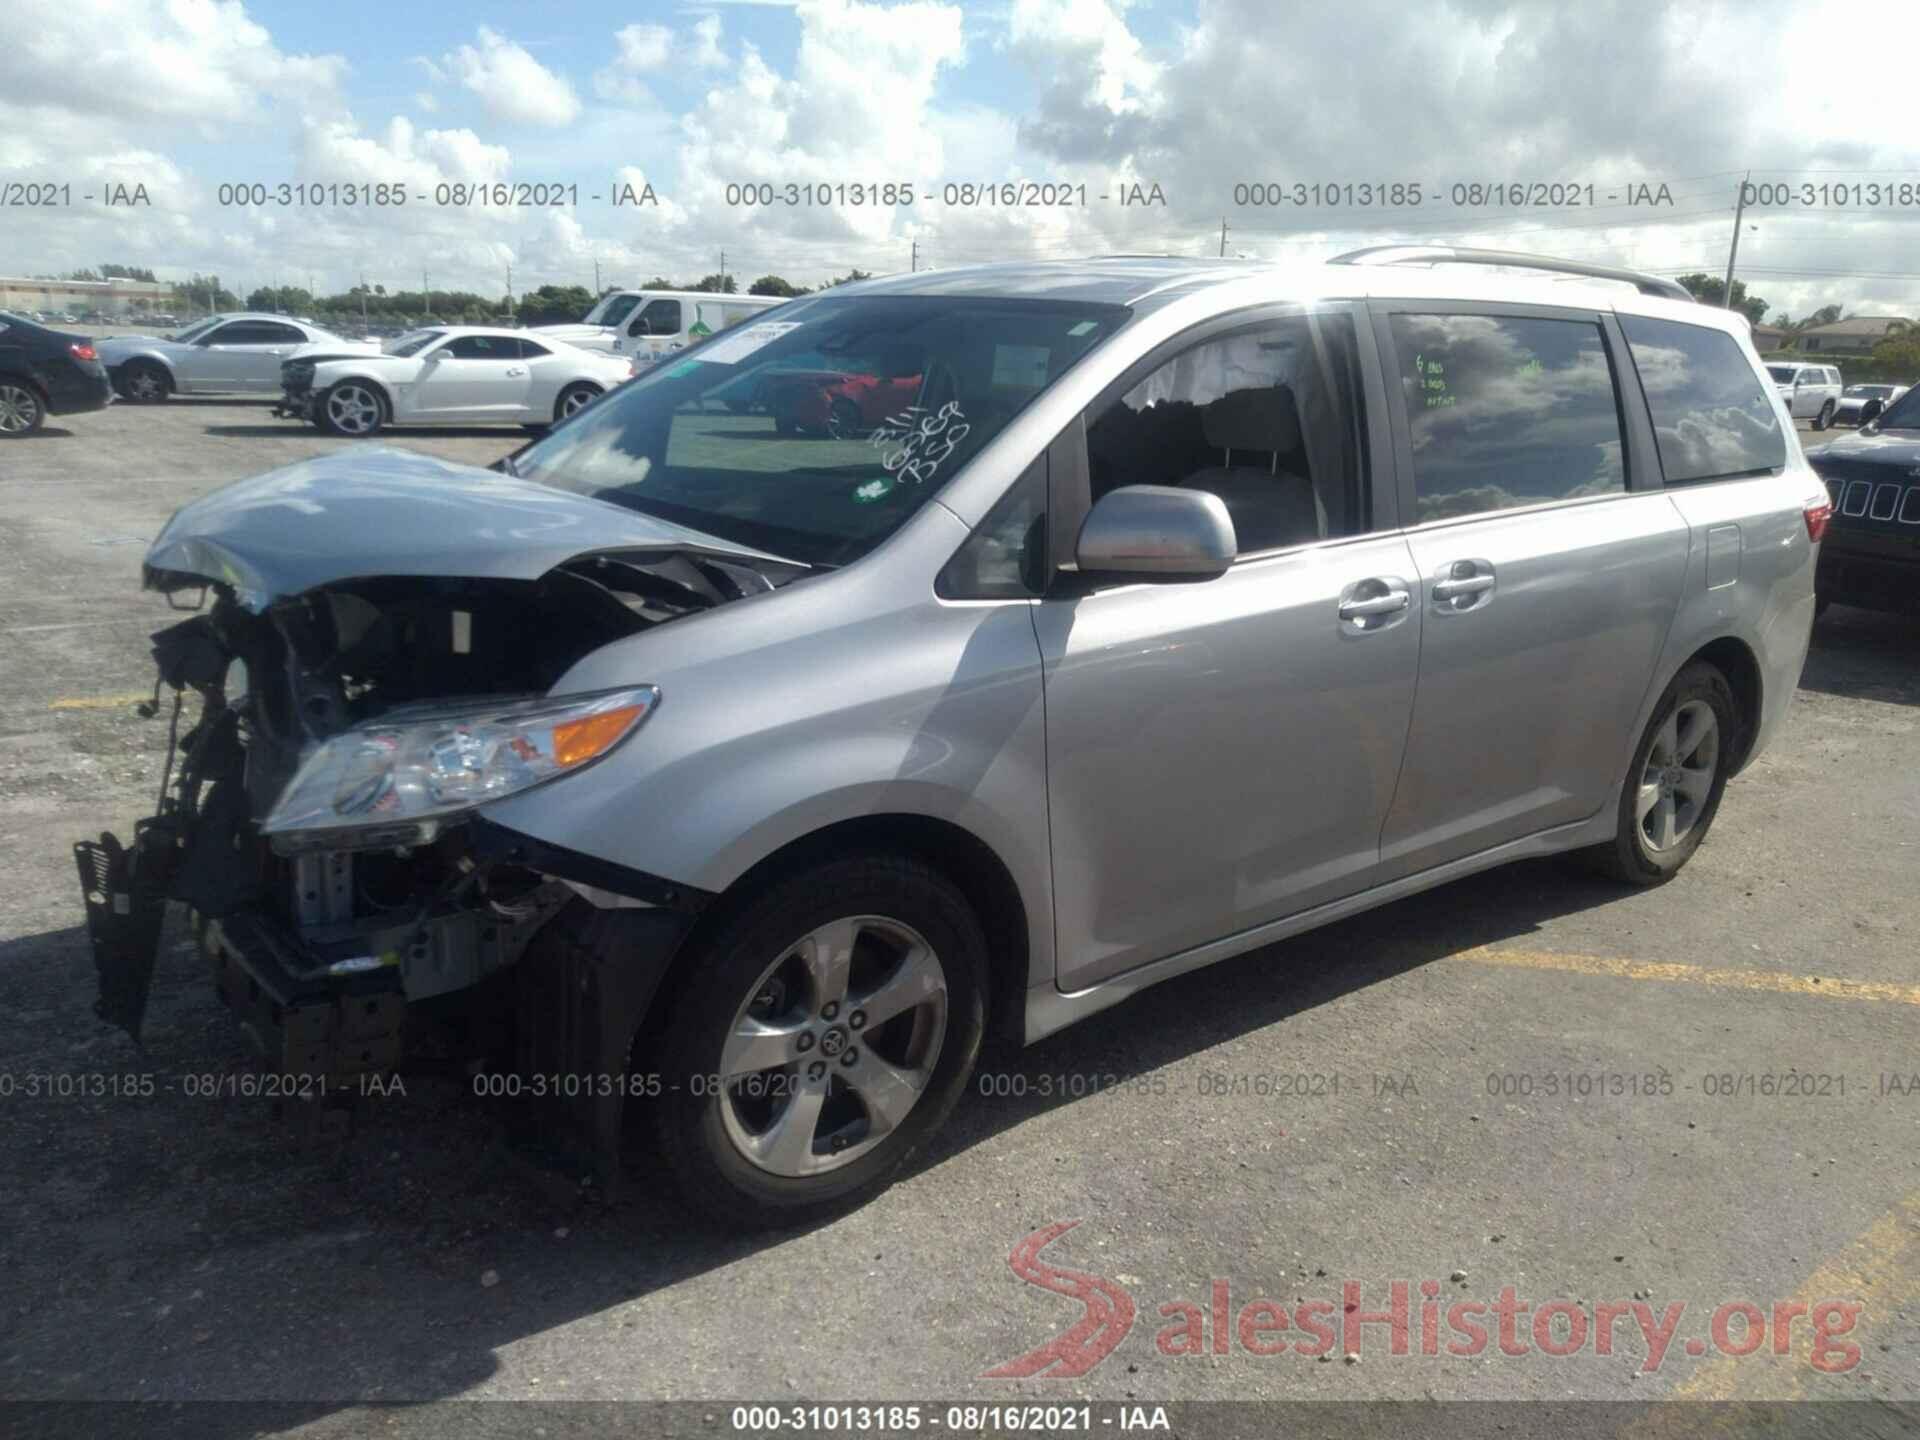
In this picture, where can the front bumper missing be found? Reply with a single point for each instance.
(294, 405)
(328, 1030)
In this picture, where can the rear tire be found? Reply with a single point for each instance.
(766, 1149)
(143, 382)
(23, 410)
(575, 398)
(1825, 417)
(1673, 787)
(843, 423)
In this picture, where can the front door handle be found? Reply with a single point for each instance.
(1378, 605)
(1374, 604)
(513, 371)
(1463, 585)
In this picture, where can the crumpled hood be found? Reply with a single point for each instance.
(394, 512)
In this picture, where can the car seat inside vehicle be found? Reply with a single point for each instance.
(1263, 479)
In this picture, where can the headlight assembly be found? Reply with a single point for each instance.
(397, 780)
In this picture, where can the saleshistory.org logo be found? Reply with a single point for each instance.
(1319, 1329)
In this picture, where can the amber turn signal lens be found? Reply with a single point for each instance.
(579, 740)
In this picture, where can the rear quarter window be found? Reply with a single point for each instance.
(1712, 419)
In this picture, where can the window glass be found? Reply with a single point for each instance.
(413, 342)
(1711, 416)
(611, 310)
(258, 332)
(818, 438)
(482, 347)
(531, 349)
(661, 317)
(1006, 558)
(1782, 374)
(1266, 418)
(1506, 411)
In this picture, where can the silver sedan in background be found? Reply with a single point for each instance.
(1857, 405)
(236, 353)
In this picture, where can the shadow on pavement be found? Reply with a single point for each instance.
(1865, 655)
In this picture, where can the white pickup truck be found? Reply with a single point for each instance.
(647, 324)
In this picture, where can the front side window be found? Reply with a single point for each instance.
(482, 347)
(1505, 411)
(1781, 374)
(816, 436)
(661, 317)
(1265, 418)
(1712, 418)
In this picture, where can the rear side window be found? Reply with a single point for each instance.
(1505, 411)
(1712, 419)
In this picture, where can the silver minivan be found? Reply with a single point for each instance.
(744, 783)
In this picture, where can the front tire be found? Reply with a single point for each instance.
(825, 1032)
(1675, 782)
(22, 411)
(352, 409)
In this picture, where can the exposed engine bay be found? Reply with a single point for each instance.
(337, 955)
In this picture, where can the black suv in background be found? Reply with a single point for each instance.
(1871, 555)
(46, 372)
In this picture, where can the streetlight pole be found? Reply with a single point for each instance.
(1733, 250)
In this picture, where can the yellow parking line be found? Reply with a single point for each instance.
(101, 702)
(1777, 982)
(1879, 1271)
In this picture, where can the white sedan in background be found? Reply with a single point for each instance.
(450, 374)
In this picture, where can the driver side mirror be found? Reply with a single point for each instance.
(1157, 532)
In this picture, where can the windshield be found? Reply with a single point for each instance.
(1782, 373)
(611, 310)
(1902, 414)
(817, 435)
(413, 342)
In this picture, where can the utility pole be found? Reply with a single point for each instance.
(509, 290)
(1733, 250)
(723, 268)
(596, 280)
(426, 298)
(916, 255)
(1223, 237)
(363, 300)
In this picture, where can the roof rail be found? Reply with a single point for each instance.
(1454, 255)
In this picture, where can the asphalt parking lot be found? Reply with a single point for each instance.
(1463, 1088)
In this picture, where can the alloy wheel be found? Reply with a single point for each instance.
(1678, 777)
(833, 1047)
(19, 409)
(144, 384)
(575, 401)
(353, 409)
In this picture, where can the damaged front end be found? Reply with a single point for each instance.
(322, 818)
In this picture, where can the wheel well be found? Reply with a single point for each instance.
(27, 380)
(956, 853)
(1734, 660)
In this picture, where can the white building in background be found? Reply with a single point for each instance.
(106, 297)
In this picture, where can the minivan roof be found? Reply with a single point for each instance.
(1150, 280)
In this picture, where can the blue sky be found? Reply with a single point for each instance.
(1197, 96)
